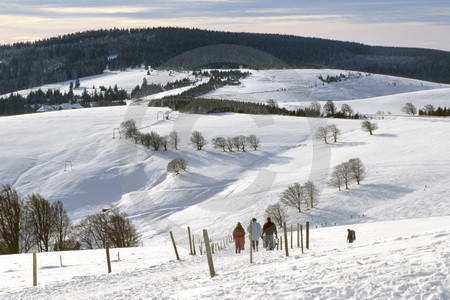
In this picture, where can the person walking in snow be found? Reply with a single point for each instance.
(239, 237)
(269, 229)
(351, 235)
(256, 233)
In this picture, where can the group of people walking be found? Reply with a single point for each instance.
(268, 233)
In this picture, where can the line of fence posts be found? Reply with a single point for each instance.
(209, 247)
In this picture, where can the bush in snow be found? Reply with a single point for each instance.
(177, 165)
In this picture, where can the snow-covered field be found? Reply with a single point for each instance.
(402, 240)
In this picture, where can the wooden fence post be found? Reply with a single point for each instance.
(292, 238)
(190, 241)
(307, 235)
(211, 245)
(286, 242)
(174, 245)
(108, 259)
(281, 243)
(118, 256)
(301, 235)
(212, 272)
(298, 235)
(34, 269)
(193, 245)
(60, 260)
(251, 241)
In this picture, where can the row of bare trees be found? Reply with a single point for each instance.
(299, 196)
(111, 227)
(324, 133)
(347, 172)
(239, 143)
(151, 139)
(33, 223)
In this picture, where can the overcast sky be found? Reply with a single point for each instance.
(409, 23)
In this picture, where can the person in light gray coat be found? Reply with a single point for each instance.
(256, 233)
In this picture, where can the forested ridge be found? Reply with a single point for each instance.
(71, 56)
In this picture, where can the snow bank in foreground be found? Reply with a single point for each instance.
(389, 260)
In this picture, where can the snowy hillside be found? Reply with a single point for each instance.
(401, 211)
(297, 88)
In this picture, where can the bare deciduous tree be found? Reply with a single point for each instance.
(198, 140)
(311, 193)
(293, 196)
(62, 223)
(335, 132)
(329, 108)
(242, 141)
(112, 227)
(120, 230)
(336, 179)
(10, 219)
(174, 139)
(40, 219)
(229, 144)
(357, 169)
(177, 165)
(236, 143)
(368, 126)
(321, 134)
(130, 130)
(164, 142)
(277, 213)
(347, 110)
(314, 109)
(429, 109)
(409, 109)
(219, 143)
(155, 140)
(253, 141)
(345, 173)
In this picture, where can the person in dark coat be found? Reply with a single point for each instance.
(350, 235)
(239, 237)
(269, 229)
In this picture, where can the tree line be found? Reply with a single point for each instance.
(16, 104)
(33, 223)
(67, 57)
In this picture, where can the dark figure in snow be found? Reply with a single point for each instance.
(351, 236)
(269, 229)
(239, 237)
(255, 234)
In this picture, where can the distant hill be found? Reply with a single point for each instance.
(72, 56)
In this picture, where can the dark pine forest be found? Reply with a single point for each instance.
(24, 65)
